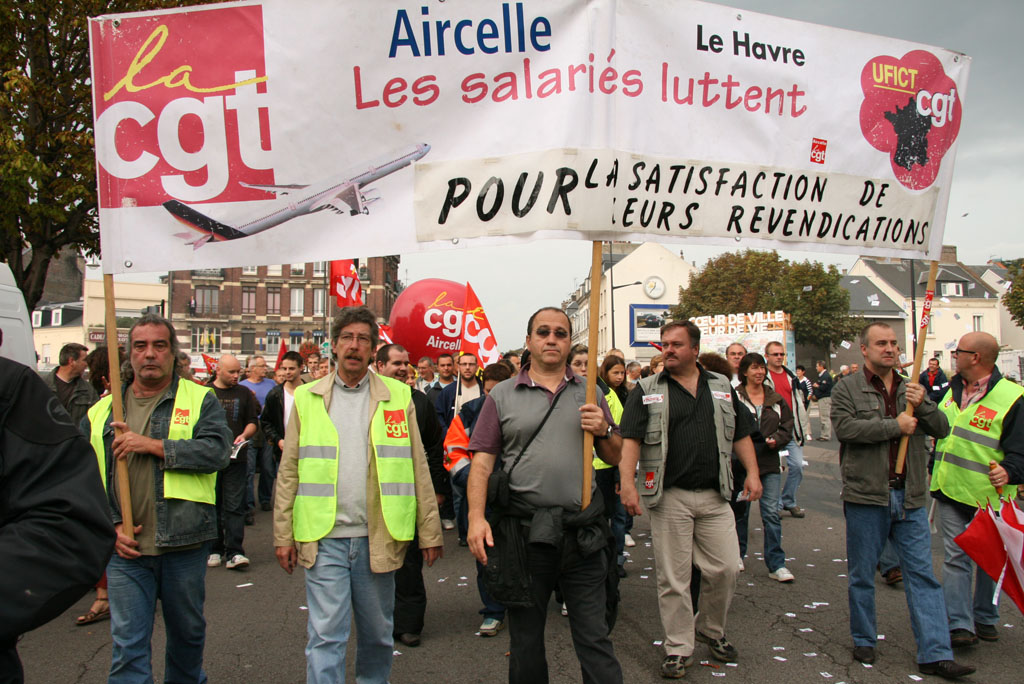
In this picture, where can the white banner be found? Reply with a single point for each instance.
(304, 130)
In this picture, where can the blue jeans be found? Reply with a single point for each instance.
(268, 473)
(460, 502)
(771, 523)
(962, 607)
(867, 528)
(338, 584)
(178, 579)
(888, 559)
(795, 464)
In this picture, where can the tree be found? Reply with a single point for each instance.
(1013, 300)
(763, 281)
(47, 165)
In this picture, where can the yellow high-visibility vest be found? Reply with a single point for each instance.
(615, 406)
(316, 499)
(961, 459)
(178, 484)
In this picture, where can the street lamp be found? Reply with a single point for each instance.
(611, 301)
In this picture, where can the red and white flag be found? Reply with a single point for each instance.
(386, 336)
(477, 338)
(211, 364)
(995, 543)
(345, 285)
(1010, 523)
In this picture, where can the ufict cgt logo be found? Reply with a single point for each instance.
(182, 108)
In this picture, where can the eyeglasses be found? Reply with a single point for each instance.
(963, 351)
(777, 354)
(348, 338)
(560, 333)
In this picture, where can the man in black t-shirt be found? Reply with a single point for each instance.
(242, 411)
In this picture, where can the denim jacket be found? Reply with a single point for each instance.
(178, 522)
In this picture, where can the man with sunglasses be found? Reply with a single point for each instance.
(353, 490)
(785, 382)
(983, 453)
(536, 421)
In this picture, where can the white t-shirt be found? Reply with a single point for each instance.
(289, 402)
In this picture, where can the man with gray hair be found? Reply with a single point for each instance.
(349, 512)
(74, 392)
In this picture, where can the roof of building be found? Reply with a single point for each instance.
(863, 292)
(897, 273)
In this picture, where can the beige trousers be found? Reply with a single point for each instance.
(693, 528)
(825, 411)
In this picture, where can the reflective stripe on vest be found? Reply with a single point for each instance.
(316, 499)
(961, 463)
(615, 406)
(178, 484)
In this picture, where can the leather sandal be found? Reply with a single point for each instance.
(94, 615)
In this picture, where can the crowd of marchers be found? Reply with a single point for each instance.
(366, 459)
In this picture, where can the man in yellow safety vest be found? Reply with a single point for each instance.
(984, 450)
(174, 439)
(352, 489)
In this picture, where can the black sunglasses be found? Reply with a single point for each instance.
(560, 333)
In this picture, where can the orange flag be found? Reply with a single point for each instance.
(477, 337)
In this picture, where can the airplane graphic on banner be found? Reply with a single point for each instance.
(348, 195)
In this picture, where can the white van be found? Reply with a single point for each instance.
(17, 343)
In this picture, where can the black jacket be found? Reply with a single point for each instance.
(272, 418)
(56, 535)
(433, 442)
(936, 390)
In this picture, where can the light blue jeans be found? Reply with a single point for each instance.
(867, 528)
(178, 579)
(795, 467)
(338, 584)
(962, 607)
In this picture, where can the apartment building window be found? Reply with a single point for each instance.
(206, 339)
(298, 296)
(249, 270)
(319, 336)
(294, 340)
(952, 289)
(978, 323)
(274, 301)
(207, 300)
(319, 301)
(273, 340)
(248, 341)
(320, 268)
(55, 317)
(274, 270)
(249, 300)
(37, 319)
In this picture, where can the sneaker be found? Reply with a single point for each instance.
(986, 632)
(962, 638)
(721, 649)
(674, 666)
(741, 566)
(565, 611)
(947, 669)
(447, 524)
(796, 511)
(490, 627)
(237, 562)
(214, 560)
(629, 540)
(782, 575)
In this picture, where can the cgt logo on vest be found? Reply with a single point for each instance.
(983, 418)
(649, 480)
(180, 417)
(395, 425)
(911, 111)
(181, 107)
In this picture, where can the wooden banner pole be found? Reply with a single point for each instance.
(592, 323)
(926, 316)
(114, 359)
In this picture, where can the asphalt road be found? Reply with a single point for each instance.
(784, 633)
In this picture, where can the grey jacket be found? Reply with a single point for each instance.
(864, 432)
(178, 522)
(82, 396)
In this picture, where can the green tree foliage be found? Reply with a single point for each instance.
(763, 281)
(47, 164)
(1013, 300)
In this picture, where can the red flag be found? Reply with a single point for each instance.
(280, 354)
(984, 542)
(1011, 529)
(211, 364)
(345, 285)
(386, 336)
(477, 338)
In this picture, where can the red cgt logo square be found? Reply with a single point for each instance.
(181, 107)
(395, 424)
(180, 417)
(983, 418)
(818, 150)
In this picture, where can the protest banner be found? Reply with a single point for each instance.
(227, 132)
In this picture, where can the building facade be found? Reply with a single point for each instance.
(252, 309)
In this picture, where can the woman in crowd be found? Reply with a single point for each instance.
(775, 425)
(613, 373)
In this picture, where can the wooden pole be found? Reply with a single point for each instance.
(592, 321)
(123, 491)
(926, 317)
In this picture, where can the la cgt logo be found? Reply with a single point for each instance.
(395, 425)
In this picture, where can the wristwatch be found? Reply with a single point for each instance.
(608, 432)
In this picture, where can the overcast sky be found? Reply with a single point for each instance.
(988, 183)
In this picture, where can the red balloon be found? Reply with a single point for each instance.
(427, 318)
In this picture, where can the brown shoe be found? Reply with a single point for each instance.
(962, 638)
(947, 669)
(893, 576)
